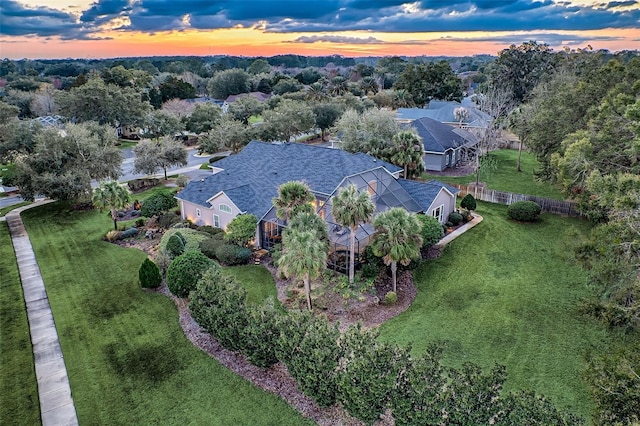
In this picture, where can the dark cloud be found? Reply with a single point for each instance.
(18, 20)
(322, 16)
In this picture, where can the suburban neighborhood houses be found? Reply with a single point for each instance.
(293, 240)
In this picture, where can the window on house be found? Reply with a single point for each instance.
(438, 213)
(216, 221)
(225, 208)
(198, 213)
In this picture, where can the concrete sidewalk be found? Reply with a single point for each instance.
(54, 392)
(461, 230)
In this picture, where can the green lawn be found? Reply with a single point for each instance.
(126, 143)
(256, 279)
(507, 178)
(127, 357)
(19, 403)
(507, 293)
(5, 210)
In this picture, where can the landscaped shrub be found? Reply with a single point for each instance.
(466, 216)
(390, 298)
(524, 211)
(432, 231)
(448, 224)
(276, 253)
(139, 223)
(312, 356)
(468, 202)
(149, 274)
(175, 246)
(158, 202)
(185, 271)
(167, 220)
(181, 181)
(260, 335)
(368, 373)
(369, 271)
(210, 229)
(129, 233)
(241, 230)
(231, 255)
(113, 235)
(191, 236)
(455, 218)
(218, 304)
(209, 246)
(163, 260)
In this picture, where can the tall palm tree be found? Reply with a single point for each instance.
(397, 238)
(309, 221)
(303, 256)
(351, 208)
(406, 152)
(293, 197)
(112, 196)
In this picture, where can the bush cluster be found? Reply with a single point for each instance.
(157, 203)
(366, 376)
(431, 231)
(455, 218)
(390, 298)
(167, 220)
(524, 211)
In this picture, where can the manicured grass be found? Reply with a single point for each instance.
(19, 404)
(126, 143)
(507, 178)
(256, 279)
(507, 293)
(205, 166)
(127, 357)
(255, 119)
(5, 210)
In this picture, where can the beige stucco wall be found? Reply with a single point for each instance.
(190, 211)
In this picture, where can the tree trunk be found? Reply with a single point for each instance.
(165, 173)
(519, 154)
(114, 216)
(352, 255)
(406, 171)
(394, 269)
(307, 290)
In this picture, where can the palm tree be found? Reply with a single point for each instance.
(407, 151)
(350, 208)
(293, 197)
(303, 256)
(309, 221)
(112, 196)
(397, 238)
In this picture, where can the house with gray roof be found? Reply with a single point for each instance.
(461, 114)
(444, 146)
(246, 183)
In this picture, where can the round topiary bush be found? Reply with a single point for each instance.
(175, 246)
(185, 271)
(231, 255)
(432, 230)
(524, 211)
(455, 218)
(149, 274)
(468, 202)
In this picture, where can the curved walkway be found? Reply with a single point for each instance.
(461, 230)
(54, 392)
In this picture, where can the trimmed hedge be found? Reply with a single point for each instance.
(185, 271)
(455, 218)
(524, 211)
(175, 246)
(468, 202)
(231, 255)
(432, 230)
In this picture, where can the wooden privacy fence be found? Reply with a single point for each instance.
(565, 208)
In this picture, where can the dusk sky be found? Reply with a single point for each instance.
(118, 28)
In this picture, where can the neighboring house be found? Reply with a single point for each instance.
(444, 146)
(464, 115)
(224, 106)
(248, 181)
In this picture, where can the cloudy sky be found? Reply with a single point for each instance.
(116, 28)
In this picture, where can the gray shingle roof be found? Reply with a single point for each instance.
(424, 192)
(251, 177)
(437, 137)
